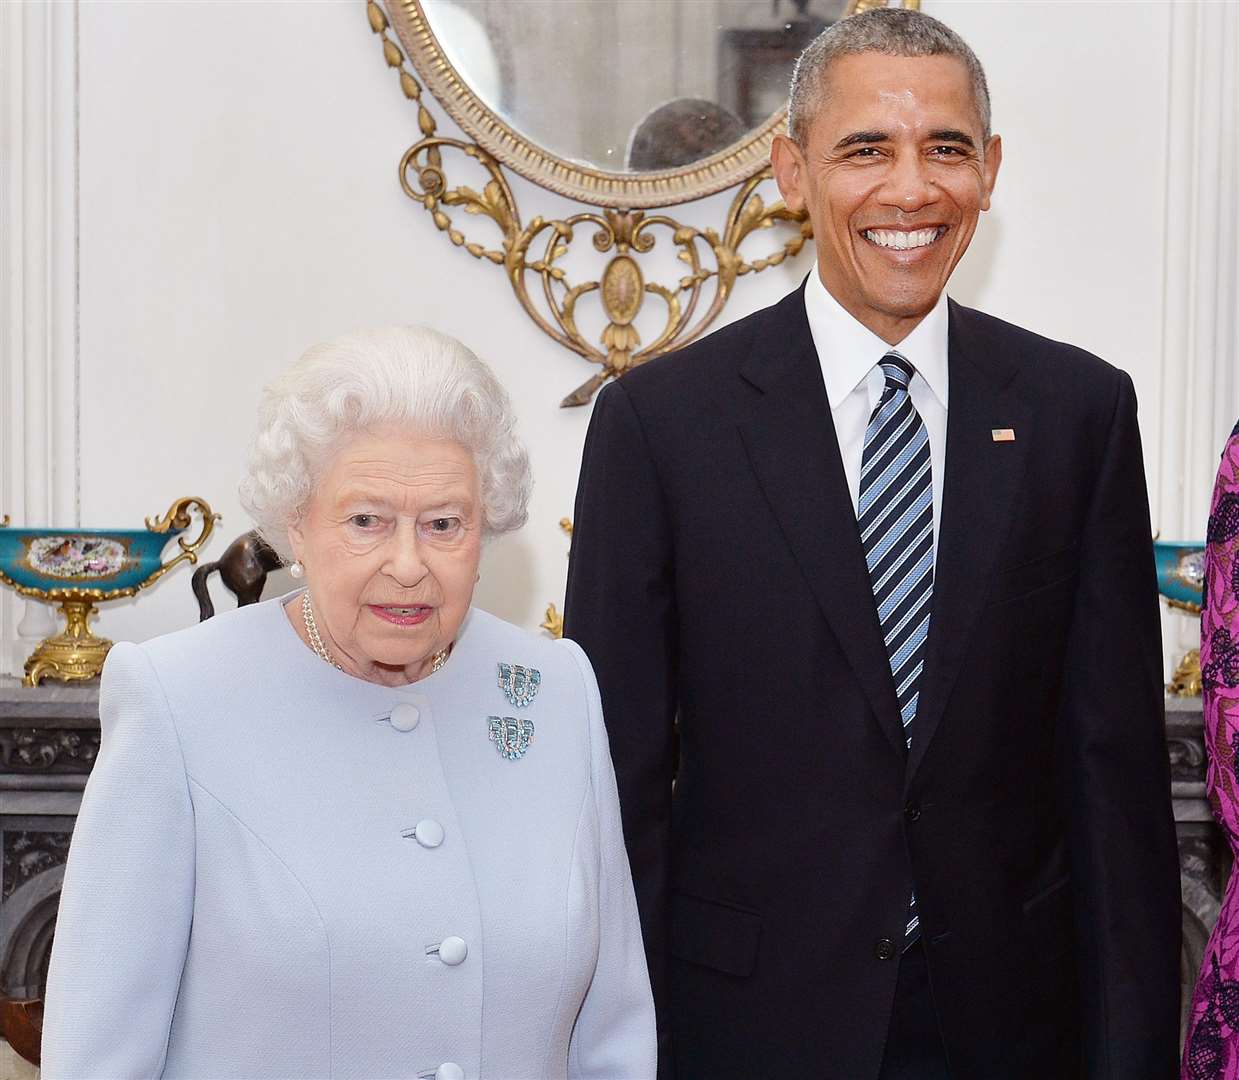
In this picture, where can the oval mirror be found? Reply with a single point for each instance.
(629, 103)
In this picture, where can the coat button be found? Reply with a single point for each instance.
(453, 950)
(428, 833)
(404, 716)
(449, 1070)
(912, 812)
(884, 949)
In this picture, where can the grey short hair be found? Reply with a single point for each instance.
(407, 375)
(892, 31)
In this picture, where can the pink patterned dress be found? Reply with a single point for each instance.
(1212, 1049)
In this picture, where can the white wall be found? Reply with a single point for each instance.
(238, 202)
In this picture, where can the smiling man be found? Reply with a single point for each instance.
(869, 576)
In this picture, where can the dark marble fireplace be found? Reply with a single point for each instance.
(1204, 856)
(48, 741)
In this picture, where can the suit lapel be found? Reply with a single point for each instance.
(979, 487)
(791, 443)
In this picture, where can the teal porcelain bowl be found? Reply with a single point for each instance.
(107, 561)
(1181, 571)
(78, 568)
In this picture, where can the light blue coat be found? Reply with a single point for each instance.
(245, 895)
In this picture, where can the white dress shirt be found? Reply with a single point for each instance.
(851, 358)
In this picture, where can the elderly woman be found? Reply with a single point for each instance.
(365, 829)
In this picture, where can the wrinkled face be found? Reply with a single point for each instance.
(894, 174)
(390, 543)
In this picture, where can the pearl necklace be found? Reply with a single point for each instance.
(320, 650)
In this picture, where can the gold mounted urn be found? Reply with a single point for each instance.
(79, 568)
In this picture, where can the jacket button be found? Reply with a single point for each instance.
(404, 717)
(884, 949)
(428, 833)
(453, 950)
(912, 812)
(449, 1070)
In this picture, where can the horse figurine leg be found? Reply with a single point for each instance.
(243, 568)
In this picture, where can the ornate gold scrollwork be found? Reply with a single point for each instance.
(1183, 605)
(712, 257)
(553, 624)
(1186, 680)
(178, 517)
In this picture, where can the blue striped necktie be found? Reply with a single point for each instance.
(895, 513)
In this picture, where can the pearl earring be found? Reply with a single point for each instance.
(297, 570)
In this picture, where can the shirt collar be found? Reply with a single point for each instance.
(848, 350)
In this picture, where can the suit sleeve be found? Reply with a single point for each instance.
(1124, 853)
(614, 1035)
(123, 926)
(621, 608)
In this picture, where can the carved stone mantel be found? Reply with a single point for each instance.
(1204, 855)
(48, 740)
(49, 737)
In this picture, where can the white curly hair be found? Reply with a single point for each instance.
(407, 375)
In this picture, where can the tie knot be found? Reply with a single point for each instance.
(897, 370)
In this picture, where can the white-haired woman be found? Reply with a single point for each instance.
(365, 829)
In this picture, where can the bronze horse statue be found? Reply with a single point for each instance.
(243, 568)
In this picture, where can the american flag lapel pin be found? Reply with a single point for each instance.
(1003, 434)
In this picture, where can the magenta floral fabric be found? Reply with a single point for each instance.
(1212, 1049)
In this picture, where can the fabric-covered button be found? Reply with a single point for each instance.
(404, 716)
(453, 950)
(428, 833)
(449, 1070)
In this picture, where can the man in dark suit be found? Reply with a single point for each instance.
(869, 575)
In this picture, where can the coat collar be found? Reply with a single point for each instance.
(848, 350)
(791, 444)
(982, 479)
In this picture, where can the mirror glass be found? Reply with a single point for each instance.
(635, 86)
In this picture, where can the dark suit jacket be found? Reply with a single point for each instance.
(717, 580)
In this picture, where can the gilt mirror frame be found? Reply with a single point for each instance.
(621, 190)
(617, 217)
